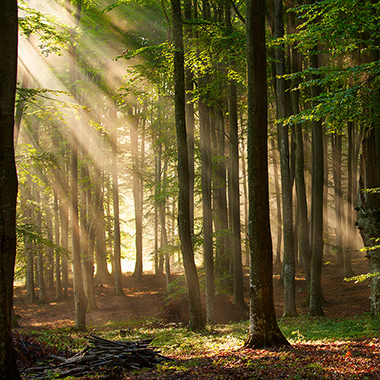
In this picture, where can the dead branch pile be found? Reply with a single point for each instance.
(101, 355)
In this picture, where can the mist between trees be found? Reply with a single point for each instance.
(185, 137)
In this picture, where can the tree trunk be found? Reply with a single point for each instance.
(315, 307)
(79, 294)
(348, 271)
(8, 184)
(263, 330)
(134, 122)
(57, 241)
(234, 183)
(336, 146)
(195, 310)
(102, 273)
(205, 140)
(278, 201)
(115, 197)
(286, 182)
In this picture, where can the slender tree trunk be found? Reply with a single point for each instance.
(286, 182)
(316, 297)
(189, 109)
(263, 328)
(195, 310)
(102, 273)
(336, 145)
(348, 271)
(234, 184)
(278, 201)
(57, 241)
(79, 294)
(115, 192)
(134, 122)
(205, 139)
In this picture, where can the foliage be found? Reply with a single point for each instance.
(53, 36)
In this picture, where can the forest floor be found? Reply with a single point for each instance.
(144, 303)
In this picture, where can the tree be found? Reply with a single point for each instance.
(195, 309)
(263, 328)
(286, 182)
(8, 183)
(79, 294)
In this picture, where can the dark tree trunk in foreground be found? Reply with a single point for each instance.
(195, 309)
(8, 184)
(263, 330)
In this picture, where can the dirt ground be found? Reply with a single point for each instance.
(145, 301)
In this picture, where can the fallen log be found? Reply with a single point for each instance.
(101, 355)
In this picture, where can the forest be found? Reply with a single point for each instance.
(189, 189)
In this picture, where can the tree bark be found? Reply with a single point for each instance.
(195, 310)
(263, 330)
(8, 184)
(316, 297)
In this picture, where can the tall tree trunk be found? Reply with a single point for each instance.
(8, 184)
(222, 241)
(64, 216)
(315, 307)
(195, 309)
(348, 271)
(57, 242)
(234, 184)
(79, 294)
(286, 182)
(336, 145)
(102, 273)
(278, 201)
(86, 217)
(205, 140)
(189, 109)
(116, 212)
(263, 328)
(134, 122)
(368, 218)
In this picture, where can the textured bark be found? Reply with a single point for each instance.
(8, 184)
(184, 226)
(264, 330)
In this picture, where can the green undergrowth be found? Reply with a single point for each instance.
(175, 340)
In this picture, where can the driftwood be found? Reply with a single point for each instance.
(101, 355)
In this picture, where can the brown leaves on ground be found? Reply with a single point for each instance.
(334, 360)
